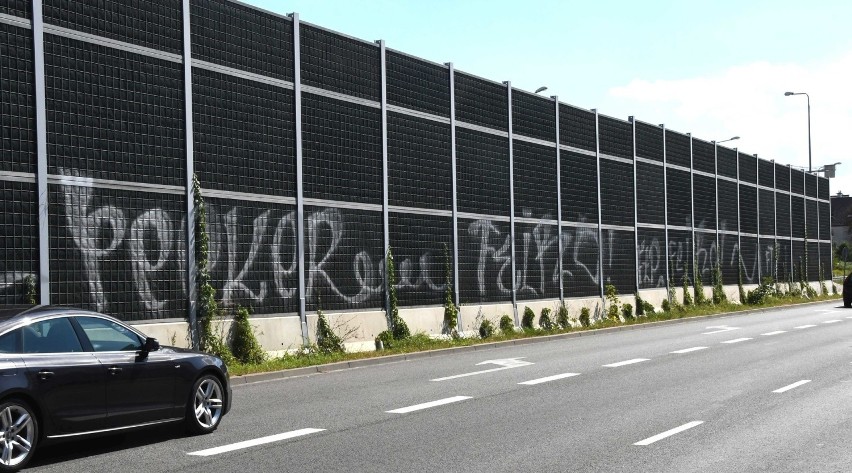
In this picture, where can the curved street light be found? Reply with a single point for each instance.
(787, 94)
(541, 89)
(729, 139)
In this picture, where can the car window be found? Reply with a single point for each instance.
(9, 342)
(106, 335)
(50, 336)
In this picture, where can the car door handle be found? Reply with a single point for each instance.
(45, 374)
(113, 370)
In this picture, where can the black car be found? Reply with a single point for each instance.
(66, 373)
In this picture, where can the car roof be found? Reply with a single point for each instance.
(12, 316)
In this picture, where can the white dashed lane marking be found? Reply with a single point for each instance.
(832, 321)
(669, 433)
(773, 333)
(549, 378)
(626, 362)
(688, 350)
(794, 385)
(737, 340)
(427, 405)
(254, 442)
(804, 326)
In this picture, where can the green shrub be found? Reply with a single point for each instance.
(327, 341)
(507, 326)
(562, 317)
(611, 294)
(718, 288)
(648, 308)
(585, 317)
(640, 308)
(451, 310)
(666, 306)
(544, 320)
(740, 266)
(486, 329)
(30, 289)
(687, 297)
(386, 338)
(698, 285)
(528, 319)
(244, 345)
(627, 311)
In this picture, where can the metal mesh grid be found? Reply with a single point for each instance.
(535, 180)
(750, 251)
(580, 262)
(17, 101)
(680, 256)
(577, 128)
(649, 141)
(245, 38)
(619, 260)
(765, 170)
(253, 255)
(616, 193)
(579, 187)
(340, 64)
(782, 177)
(616, 137)
(18, 240)
(825, 256)
(766, 214)
(485, 269)
(679, 197)
(417, 84)
(537, 261)
(244, 134)
(782, 214)
(797, 181)
(418, 243)
(704, 205)
(481, 102)
(344, 259)
(113, 114)
(19, 8)
(728, 208)
(703, 156)
(785, 265)
(824, 188)
(117, 252)
(155, 24)
(677, 149)
(726, 160)
(798, 260)
(748, 168)
(419, 163)
(705, 255)
(748, 209)
(811, 185)
(482, 173)
(824, 221)
(798, 216)
(342, 149)
(650, 192)
(729, 257)
(811, 219)
(813, 261)
(652, 258)
(533, 116)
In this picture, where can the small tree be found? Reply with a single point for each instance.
(528, 319)
(398, 326)
(246, 348)
(687, 297)
(451, 310)
(507, 326)
(562, 317)
(627, 312)
(486, 329)
(697, 284)
(585, 317)
(611, 295)
(327, 341)
(544, 320)
(718, 287)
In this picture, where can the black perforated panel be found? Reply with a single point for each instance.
(17, 101)
(811, 185)
(18, 240)
(334, 62)
(765, 173)
(650, 193)
(766, 212)
(19, 8)
(485, 265)
(117, 252)
(798, 216)
(580, 262)
(537, 261)
(242, 37)
(616, 137)
(782, 214)
(418, 85)
(680, 256)
(620, 260)
(679, 197)
(799, 266)
(748, 168)
(726, 160)
(577, 128)
(704, 189)
(483, 172)
(797, 181)
(579, 187)
(824, 188)
(616, 193)
(825, 257)
(705, 256)
(244, 135)
(652, 258)
(677, 149)
(824, 221)
(113, 114)
(812, 219)
(649, 141)
(703, 156)
(481, 102)
(748, 209)
(533, 116)
(729, 257)
(535, 180)
(418, 243)
(782, 177)
(728, 208)
(344, 258)
(784, 260)
(813, 261)
(420, 164)
(342, 149)
(750, 251)
(155, 24)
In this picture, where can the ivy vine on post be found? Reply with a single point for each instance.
(740, 267)
(451, 310)
(30, 289)
(398, 326)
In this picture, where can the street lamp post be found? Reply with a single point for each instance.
(787, 94)
(729, 139)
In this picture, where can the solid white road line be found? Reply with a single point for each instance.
(627, 362)
(669, 433)
(794, 385)
(252, 443)
(722, 328)
(850, 317)
(773, 333)
(549, 378)
(805, 326)
(736, 340)
(687, 350)
(427, 405)
(832, 321)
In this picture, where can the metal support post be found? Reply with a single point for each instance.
(666, 212)
(512, 205)
(41, 154)
(635, 208)
(300, 191)
(455, 188)
(600, 216)
(692, 255)
(559, 201)
(191, 270)
(385, 216)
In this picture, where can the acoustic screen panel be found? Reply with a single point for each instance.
(420, 168)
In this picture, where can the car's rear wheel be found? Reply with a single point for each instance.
(206, 405)
(18, 434)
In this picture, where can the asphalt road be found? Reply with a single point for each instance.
(758, 392)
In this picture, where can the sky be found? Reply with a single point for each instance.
(714, 69)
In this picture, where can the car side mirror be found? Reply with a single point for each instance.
(151, 344)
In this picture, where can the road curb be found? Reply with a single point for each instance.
(383, 360)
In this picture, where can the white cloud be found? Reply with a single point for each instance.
(749, 101)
